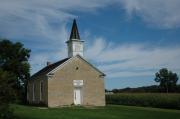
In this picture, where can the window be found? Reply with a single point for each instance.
(41, 90)
(33, 92)
(27, 92)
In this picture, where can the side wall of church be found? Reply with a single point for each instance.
(61, 87)
(38, 95)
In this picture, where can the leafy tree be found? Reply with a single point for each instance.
(6, 94)
(115, 90)
(167, 79)
(14, 59)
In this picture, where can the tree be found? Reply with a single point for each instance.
(167, 79)
(6, 94)
(14, 59)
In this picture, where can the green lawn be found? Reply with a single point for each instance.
(108, 112)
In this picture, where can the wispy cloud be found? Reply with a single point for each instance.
(39, 59)
(41, 24)
(44, 19)
(132, 60)
(157, 13)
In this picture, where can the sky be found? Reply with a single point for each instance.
(129, 40)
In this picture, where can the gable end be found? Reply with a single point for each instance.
(69, 60)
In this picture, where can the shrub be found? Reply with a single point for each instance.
(6, 94)
(6, 112)
(159, 100)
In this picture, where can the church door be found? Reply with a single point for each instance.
(77, 96)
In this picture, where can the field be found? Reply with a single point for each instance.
(160, 100)
(108, 112)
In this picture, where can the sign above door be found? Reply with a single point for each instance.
(78, 82)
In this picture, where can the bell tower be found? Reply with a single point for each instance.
(74, 44)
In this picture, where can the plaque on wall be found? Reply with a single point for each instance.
(78, 82)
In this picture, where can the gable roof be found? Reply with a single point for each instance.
(49, 68)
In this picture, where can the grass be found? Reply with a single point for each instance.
(108, 112)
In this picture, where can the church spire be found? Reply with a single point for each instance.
(75, 45)
(74, 31)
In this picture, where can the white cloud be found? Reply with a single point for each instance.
(41, 25)
(41, 22)
(123, 74)
(96, 48)
(39, 59)
(31, 19)
(157, 13)
(132, 60)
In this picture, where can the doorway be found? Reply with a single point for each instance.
(77, 95)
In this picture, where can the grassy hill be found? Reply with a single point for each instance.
(108, 112)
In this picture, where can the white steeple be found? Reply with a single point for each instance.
(74, 44)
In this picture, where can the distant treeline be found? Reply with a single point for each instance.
(145, 89)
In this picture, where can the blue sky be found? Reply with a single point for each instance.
(129, 40)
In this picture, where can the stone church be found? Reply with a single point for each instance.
(70, 81)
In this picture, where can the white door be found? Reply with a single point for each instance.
(77, 96)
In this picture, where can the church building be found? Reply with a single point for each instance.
(70, 81)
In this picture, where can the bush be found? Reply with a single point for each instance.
(6, 112)
(159, 100)
(6, 94)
